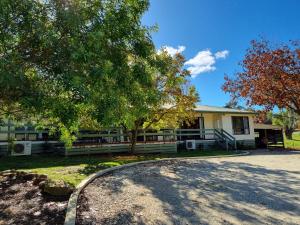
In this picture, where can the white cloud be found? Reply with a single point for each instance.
(172, 51)
(204, 61)
(221, 54)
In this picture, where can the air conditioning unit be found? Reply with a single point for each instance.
(21, 148)
(190, 144)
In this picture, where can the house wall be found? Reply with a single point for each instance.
(224, 121)
(227, 126)
(217, 121)
(245, 140)
(208, 123)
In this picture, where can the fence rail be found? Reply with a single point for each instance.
(115, 140)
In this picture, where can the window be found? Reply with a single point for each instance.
(240, 125)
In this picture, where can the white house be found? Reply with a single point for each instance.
(237, 124)
(214, 127)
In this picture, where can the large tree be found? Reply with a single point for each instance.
(74, 61)
(270, 76)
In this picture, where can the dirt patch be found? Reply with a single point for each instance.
(22, 201)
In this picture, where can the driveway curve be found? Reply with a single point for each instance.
(263, 188)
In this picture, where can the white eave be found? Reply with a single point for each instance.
(214, 109)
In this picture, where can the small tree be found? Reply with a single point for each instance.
(233, 104)
(169, 99)
(270, 77)
(287, 119)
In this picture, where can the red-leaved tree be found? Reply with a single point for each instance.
(270, 76)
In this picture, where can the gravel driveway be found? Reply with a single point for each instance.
(256, 189)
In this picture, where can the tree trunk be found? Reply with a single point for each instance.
(289, 132)
(133, 140)
(9, 141)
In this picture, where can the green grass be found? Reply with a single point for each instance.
(74, 169)
(294, 143)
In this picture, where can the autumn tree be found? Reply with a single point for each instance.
(270, 76)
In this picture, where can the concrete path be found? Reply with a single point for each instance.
(263, 188)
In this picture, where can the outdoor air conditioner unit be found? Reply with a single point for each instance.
(190, 144)
(21, 148)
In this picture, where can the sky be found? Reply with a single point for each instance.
(213, 35)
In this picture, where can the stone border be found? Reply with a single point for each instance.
(70, 218)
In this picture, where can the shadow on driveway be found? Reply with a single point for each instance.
(197, 192)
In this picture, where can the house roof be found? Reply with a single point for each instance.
(205, 108)
(266, 126)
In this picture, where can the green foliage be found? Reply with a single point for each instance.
(294, 142)
(165, 100)
(77, 63)
(286, 119)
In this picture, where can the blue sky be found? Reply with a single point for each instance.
(205, 27)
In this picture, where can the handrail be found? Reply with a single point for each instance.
(194, 129)
(124, 134)
(23, 131)
(227, 134)
(219, 135)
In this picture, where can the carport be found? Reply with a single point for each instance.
(268, 136)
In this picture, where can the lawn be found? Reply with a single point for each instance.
(74, 169)
(294, 143)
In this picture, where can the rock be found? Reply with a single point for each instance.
(29, 176)
(7, 172)
(57, 188)
(21, 173)
(42, 184)
(38, 213)
(61, 204)
(39, 179)
(43, 177)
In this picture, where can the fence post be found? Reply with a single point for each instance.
(121, 135)
(226, 144)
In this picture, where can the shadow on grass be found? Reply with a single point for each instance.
(90, 169)
(92, 163)
(49, 161)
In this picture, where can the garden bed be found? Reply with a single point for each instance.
(23, 202)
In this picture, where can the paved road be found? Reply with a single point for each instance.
(257, 189)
